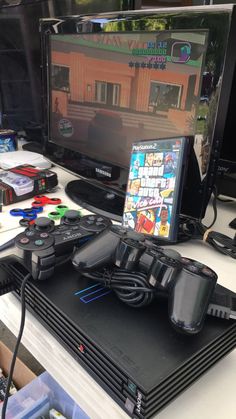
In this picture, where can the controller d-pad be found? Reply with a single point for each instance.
(94, 223)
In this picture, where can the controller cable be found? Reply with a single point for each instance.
(133, 289)
(195, 229)
(13, 361)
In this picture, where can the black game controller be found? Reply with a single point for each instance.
(188, 284)
(38, 247)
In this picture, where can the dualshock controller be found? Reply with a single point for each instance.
(188, 284)
(38, 247)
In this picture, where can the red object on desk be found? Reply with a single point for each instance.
(41, 200)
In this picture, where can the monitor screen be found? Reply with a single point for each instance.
(116, 78)
(111, 89)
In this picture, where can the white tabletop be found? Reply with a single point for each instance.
(213, 395)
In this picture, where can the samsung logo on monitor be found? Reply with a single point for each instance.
(102, 172)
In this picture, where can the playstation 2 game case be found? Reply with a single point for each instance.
(155, 184)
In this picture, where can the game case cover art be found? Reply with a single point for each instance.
(153, 186)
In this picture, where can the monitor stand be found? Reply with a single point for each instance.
(101, 200)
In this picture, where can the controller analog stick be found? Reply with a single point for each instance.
(71, 216)
(43, 224)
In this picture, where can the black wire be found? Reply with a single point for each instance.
(214, 204)
(8, 244)
(222, 243)
(13, 361)
(130, 287)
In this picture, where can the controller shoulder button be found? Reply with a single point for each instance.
(45, 274)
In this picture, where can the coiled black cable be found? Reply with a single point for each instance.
(130, 287)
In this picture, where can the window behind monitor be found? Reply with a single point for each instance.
(116, 78)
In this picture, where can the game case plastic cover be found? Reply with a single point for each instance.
(155, 186)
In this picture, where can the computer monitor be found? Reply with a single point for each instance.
(115, 78)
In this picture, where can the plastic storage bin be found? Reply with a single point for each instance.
(42, 394)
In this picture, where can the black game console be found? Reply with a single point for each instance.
(149, 365)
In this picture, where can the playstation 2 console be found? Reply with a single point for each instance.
(144, 369)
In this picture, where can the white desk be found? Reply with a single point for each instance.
(213, 395)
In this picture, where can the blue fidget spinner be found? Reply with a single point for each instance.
(30, 213)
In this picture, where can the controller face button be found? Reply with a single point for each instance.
(100, 219)
(39, 242)
(24, 240)
(89, 222)
(91, 218)
(29, 233)
(44, 235)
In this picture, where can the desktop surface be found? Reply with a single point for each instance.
(212, 395)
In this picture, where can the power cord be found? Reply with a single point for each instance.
(133, 289)
(22, 323)
(8, 244)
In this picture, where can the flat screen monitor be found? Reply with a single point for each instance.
(116, 78)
